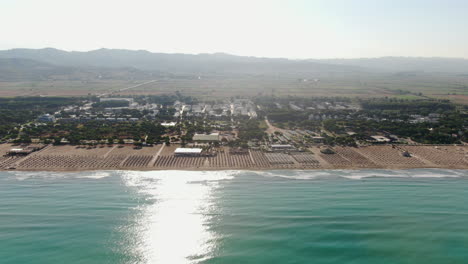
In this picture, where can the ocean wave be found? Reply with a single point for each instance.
(26, 175)
(129, 176)
(362, 174)
(139, 178)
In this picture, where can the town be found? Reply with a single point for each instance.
(176, 131)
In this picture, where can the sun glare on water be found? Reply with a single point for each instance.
(171, 227)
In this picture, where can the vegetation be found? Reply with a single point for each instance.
(97, 130)
(334, 118)
(250, 130)
(16, 111)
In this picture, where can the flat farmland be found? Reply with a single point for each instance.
(62, 87)
(440, 86)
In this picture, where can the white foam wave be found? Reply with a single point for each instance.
(131, 177)
(26, 175)
(362, 174)
(138, 178)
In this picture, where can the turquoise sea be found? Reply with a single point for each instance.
(170, 217)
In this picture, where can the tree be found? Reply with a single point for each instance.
(57, 141)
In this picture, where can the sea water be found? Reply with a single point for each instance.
(367, 216)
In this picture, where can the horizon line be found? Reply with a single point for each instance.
(237, 55)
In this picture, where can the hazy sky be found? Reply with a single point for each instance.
(270, 28)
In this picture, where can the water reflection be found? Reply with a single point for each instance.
(171, 226)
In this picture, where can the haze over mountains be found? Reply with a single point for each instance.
(28, 64)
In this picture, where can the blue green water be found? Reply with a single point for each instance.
(370, 216)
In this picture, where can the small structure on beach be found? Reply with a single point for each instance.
(188, 152)
(282, 147)
(21, 151)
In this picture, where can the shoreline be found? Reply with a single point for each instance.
(231, 169)
(67, 158)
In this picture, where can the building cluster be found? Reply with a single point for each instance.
(296, 106)
(243, 107)
(87, 112)
(329, 116)
(332, 106)
(238, 107)
(431, 118)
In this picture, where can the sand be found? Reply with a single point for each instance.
(118, 157)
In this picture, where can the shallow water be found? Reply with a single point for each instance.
(369, 216)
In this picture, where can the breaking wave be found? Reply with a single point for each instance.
(27, 175)
(138, 178)
(362, 174)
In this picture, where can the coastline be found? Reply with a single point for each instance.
(230, 169)
(158, 158)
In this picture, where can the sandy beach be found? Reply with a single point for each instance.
(159, 157)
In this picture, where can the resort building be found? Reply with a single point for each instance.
(204, 138)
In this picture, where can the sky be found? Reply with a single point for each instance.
(264, 28)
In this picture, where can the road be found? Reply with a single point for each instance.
(271, 129)
(128, 88)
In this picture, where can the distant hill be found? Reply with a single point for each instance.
(218, 63)
(20, 69)
(13, 69)
(405, 64)
(49, 63)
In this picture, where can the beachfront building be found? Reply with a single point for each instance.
(24, 150)
(19, 151)
(187, 152)
(206, 138)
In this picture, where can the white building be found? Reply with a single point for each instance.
(193, 152)
(46, 118)
(168, 124)
(380, 139)
(213, 137)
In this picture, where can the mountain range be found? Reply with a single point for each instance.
(39, 64)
